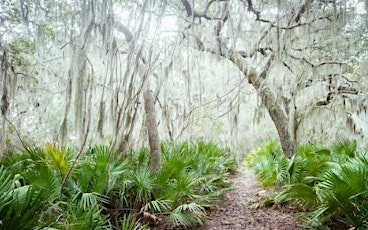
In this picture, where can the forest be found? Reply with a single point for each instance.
(183, 114)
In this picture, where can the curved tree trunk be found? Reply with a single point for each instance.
(279, 118)
(275, 110)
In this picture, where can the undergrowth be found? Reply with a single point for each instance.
(106, 190)
(329, 185)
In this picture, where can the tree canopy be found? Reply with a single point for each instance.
(233, 71)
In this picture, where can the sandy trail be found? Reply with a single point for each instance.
(238, 209)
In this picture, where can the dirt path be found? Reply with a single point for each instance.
(238, 210)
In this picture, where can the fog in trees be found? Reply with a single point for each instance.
(235, 72)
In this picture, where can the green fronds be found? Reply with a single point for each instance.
(105, 191)
(345, 192)
(187, 215)
(157, 206)
(90, 200)
(80, 219)
(57, 158)
(314, 160)
(344, 148)
(142, 185)
(270, 164)
(128, 222)
(44, 178)
(194, 172)
(24, 208)
(6, 187)
(303, 195)
(327, 184)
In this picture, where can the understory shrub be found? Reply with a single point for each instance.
(330, 185)
(269, 163)
(105, 190)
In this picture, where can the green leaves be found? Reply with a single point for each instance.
(270, 164)
(107, 191)
(327, 184)
(23, 207)
(142, 185)
(193, 176)
(5, 187)
(128, 222)
(157, 206)
(345, 191)
(187, 215)
(300, 193)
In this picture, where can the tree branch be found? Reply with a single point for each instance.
(252, 10)
(220, 24)
(317, 64)
(339, 91)
(296, 17)
(187, 7)
(123, 29)
(195, 14)
(289, 27)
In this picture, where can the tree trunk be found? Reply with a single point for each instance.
(4, 103)
(151, 125)
(276, 112)
(278, 116)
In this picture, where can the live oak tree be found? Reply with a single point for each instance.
(283, 49)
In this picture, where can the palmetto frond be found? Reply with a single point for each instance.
(192, 176)
(44, 178)
(157, 206)
(24, 209)
(345, 191)
(297, 169)
(57, 158)
(344, 148)
(128, 222)
(6, 187)
(80, 219)
(187, 215)
(116, 170)
(314, 160)
(142, 184)
(16, 163)
(270, 164)
(300, 193)
(89, 200)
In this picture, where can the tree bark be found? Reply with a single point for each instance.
(279, 118)
(4, 103)
(151, 125)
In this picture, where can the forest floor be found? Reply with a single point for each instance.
(240, 210)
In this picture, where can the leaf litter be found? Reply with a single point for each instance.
(240, 209)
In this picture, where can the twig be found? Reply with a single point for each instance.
(17, 132)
